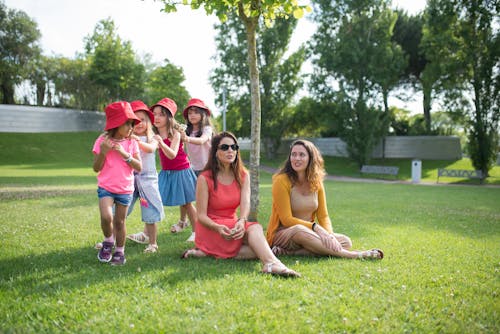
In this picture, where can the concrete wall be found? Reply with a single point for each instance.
(14, 118)
(423, 147)
(414, 147)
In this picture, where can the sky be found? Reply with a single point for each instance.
(185, 38)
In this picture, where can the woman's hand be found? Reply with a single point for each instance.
(328, 239)
(238, 231)
(224, 231)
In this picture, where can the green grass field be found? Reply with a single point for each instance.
(440, 274)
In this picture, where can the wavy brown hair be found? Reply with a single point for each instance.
(213, 165)
(315, 171)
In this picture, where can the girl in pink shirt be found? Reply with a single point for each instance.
(176, 180)
(116, 156)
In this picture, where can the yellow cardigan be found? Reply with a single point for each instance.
(281, 211)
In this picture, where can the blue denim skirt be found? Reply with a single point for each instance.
(177, 187)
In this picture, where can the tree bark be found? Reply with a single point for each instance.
(427, 90)
(7, 93)
(251, 26)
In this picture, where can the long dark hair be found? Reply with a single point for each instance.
(213, 165)
(204, 121)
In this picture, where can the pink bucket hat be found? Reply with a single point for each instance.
(117, 113)
(195, 103)
(167, 103)
(138, 105)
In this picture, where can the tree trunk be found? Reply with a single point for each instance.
(427, 90)
(40, 93)
(7, 94)
(385, 94)
(251, 26)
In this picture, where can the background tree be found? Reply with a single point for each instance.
(313, 118)
(19, 37)
(353, 49)
(113, 65)
(41, 75)
(249, 12)
(463, 39)
(73, 87)
(419, 74)
(166, 81)
(279, 76)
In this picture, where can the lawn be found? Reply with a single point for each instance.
(440, 273)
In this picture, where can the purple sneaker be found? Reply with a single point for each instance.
(104, 254)
(118, 259)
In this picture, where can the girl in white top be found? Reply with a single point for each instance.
(197, 139)
(146, 182)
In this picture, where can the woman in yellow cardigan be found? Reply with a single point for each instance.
(299, 223)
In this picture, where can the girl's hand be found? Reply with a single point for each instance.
(184, 137)
(158, 138)
(117, 147)
(135, 137)
(106, 145)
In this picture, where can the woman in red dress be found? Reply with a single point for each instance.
(222, 187)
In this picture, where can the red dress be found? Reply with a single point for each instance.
(221, 208)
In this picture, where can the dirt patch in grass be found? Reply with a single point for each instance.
(22, 193)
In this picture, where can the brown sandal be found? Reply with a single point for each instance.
(193, 252)
(283, 272)
(278, 251)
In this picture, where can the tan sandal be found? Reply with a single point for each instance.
(152, 248)
(179, 226)
(283, 272)
(193, 252)
(140, 238)
(372, 254)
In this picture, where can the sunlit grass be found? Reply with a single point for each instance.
(440, 273)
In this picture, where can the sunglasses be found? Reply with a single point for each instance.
(225, 147)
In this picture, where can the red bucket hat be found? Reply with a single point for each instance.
(167, 103)
(195, 103)
(117, 113)
(138, 105)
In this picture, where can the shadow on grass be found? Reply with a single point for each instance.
(74, 269)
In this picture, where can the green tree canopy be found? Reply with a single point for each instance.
(353, 47)
(113, 64)
(279, 76)
(249, 12)
(166, 81)
(19, 36)
(462, 39)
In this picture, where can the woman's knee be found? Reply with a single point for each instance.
(255, 228)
